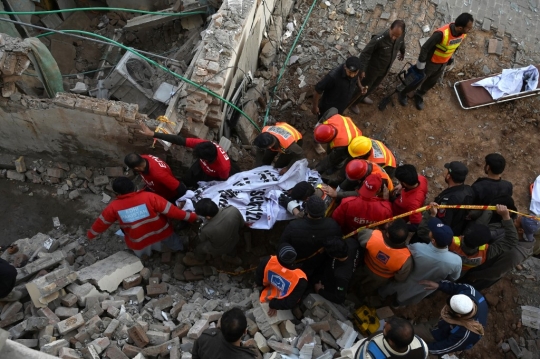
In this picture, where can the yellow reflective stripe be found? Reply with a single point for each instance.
(482, 248)
(294, 132)
(347, 127)
(457, 240)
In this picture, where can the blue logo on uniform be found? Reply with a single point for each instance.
(134, 214)
(383, 257)
(279, 282)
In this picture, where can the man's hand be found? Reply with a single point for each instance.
(429, 285)
(272, 312)
(503, 212)
(397, 190)
(318, 287)
(361, 75)
(385, 193)
(400, 56)
(329, 191)
(433, 208)
(145, 130)
(283, 170)
(315, 110)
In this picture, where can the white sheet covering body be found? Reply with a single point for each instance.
(510, 82)
(535, 198)
(255, 193)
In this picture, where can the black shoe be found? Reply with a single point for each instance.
(419, 101)
(402, 98)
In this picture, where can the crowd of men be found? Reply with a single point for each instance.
(456, 251)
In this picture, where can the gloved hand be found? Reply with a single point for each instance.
(288, 203)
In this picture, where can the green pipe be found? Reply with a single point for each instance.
(211, 93)
(282, 71)
(100, 9)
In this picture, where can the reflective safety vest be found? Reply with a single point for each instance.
(381, 155)
(469, 261)
(446, 48)
(346, 130)
(279, 281)
(329, 202)
(285, 133)
(387, 181)
(382, 260)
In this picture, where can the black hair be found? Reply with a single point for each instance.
(401, 332)
(206, 207)
(206, 151)
(123, 185)
(302, 191)
(398, 231)
(264, 140)
(133, 160)
(496, 163)
(407, 174)
(336, 247)
(398, 23)
(233, 324)
(463, 20)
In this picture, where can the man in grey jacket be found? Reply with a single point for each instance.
(377, 58)
(218, 234)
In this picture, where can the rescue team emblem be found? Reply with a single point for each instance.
(280, 131)
(134, 214)
(279, 282)
(383, 257)
(377, 150)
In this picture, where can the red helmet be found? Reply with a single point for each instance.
(357, 169)
(324, 133)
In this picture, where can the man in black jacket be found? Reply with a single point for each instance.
(377, 58)
(456, 193)
(306, 235)
(341, 261)
(225, 342)
(486, 189)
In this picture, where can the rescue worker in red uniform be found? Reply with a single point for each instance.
(282, 284)
(157, 176)
(473, 247)
(143, 219)
(355, 212)
(386, 257)
(436, 54)
(282, 139)
(375, 151)
(213, 165)
(338, 132)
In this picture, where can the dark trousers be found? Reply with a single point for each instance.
(266, 157)
(433, 73)
(196, 174)
(372, 81)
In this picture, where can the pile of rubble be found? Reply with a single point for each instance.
(71, 181)
(73, 306)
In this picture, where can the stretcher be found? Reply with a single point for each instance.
(470, 96)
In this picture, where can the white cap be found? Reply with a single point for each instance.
(461, 304)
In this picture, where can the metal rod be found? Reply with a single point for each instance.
(86, 38)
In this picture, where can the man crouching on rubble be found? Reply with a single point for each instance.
(143, 219)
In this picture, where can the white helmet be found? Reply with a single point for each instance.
(461, 304)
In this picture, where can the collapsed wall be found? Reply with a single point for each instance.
(71, 128)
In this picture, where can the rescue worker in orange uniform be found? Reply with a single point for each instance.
(282, 284)
(282, 139)
(338, 132)
(386, 257)
(473, 247)
(436, 54)
(375, 151)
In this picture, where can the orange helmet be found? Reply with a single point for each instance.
(357, 169)
(324, 133)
